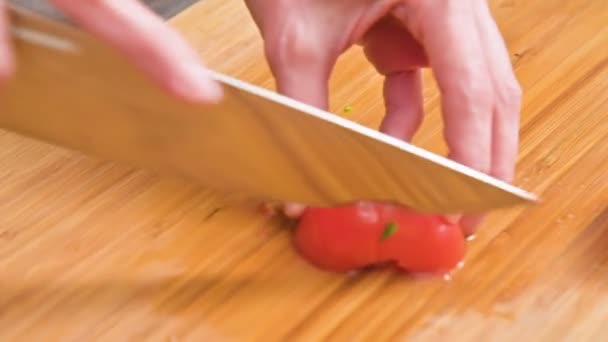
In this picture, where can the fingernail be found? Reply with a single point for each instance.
(453, 218)
(294, 210)
(469, 224)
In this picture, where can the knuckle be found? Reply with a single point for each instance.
(291, 47)
(513, 90)
(473, 91)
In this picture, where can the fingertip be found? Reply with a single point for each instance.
(194, 84)
(404, 104)
(470, 223)
(166, 57)
(215, 92)
(293, 210)
(453, 218)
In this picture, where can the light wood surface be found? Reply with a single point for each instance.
(91, 250)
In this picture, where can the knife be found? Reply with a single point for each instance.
(72, 90)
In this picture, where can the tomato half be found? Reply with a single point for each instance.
(363, 234)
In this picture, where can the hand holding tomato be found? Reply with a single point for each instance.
(458, 40)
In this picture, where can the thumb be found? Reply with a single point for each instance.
(7, 59)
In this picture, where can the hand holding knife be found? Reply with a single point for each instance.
(252, 140)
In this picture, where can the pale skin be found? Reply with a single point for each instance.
(457, 39)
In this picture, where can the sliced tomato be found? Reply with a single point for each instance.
(364, 234)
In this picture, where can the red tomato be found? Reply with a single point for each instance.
(364, 234)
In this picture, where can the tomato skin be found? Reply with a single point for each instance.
(424, 243)
(349, 237)
(340, 239)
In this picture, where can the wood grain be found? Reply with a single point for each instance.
(91, 250)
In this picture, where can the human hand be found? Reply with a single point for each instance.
(459, 40)
(143, 38)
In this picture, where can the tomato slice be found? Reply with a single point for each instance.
(364, 234)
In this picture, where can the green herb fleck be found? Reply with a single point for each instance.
(389, 230)
(348, 109)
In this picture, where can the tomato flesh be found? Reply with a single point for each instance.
(350, 237)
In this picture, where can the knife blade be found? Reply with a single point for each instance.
(74, 91)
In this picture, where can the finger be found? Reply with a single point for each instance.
(507, 96)
(506, 105)
(304, 78)
(405, 109)
(450, 35)
(147, 42)
(451, 39)
(470, 223)
(395, 53)
(391, 48)
(7, 60)
(404, 104)
(293, 210)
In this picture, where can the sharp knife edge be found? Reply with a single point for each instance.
(374, 134)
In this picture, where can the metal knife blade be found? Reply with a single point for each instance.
(73, 91)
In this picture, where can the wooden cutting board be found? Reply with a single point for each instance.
(91, 250)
